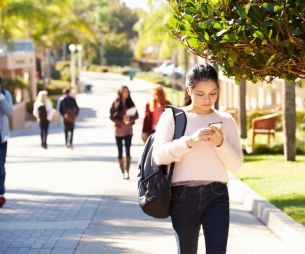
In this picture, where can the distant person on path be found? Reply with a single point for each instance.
(43, 111)
(6, 110)
(123, 113)
(153, 111)
(203, 156)
(69, 110)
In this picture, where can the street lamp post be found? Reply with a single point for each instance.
(80, 64)
(72, 48)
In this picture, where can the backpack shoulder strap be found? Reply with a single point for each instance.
(180, 121)
(180, 125)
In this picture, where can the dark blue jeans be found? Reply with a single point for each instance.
(206, 205)
(3, 149)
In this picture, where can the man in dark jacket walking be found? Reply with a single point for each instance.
(68, 109)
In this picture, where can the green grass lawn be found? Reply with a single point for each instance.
(280, 182)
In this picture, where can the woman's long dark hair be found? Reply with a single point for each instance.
(200, 72)
(128, 103)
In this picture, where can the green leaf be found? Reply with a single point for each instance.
(247, 9)
(206, 36)
(264, 42)
(240, 11)
(193, 42)
(248, 50)
(272, 7)
(207, 24)
(277, 38)
(268, 6)
(217, 25)
(237, 80)
(272, 59)
(205, 9)
(258, 34)
(232, 56)
(252, 41)
(270, 34)
(277, 8)
(188, 18)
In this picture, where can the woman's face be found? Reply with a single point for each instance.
(204, 95)
(125, 93)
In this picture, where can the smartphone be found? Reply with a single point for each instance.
(217, 125)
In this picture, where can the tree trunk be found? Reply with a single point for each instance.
(289, 121)
(101, 53)
(43, 69)
(242, 109)
(216, 105)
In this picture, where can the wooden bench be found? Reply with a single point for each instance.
(265, 125)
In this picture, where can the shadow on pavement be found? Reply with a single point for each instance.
(85, 113)
(50, 159)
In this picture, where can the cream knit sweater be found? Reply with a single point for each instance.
(204, 161)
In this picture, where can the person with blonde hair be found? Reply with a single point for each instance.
(43, 111)
(153, 111)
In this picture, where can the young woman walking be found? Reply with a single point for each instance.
(203, 156)
(123, 113)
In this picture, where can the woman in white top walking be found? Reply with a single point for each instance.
(43, 111)
(209, 148)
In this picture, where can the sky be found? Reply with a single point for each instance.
(136, 3)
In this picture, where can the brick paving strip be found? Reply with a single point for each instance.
(43, 224)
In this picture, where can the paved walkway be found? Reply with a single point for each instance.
(74, 201)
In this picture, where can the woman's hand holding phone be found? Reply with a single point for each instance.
(199, 135)
(212, 134)
(217, 137)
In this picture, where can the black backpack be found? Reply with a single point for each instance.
(42, 113)
(154, 184)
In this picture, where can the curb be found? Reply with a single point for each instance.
(282, 225)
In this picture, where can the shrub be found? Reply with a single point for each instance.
(11, 85)
(62, 70)
(108, 68)
(276, 149)
(154, 78)
(29, 105)
(55, 87)
(261, 149)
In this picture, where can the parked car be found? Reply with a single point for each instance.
(167, 68)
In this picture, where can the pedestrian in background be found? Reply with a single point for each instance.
(153, 111)
(6, 110)
(123, 113)
(203, 156)
(43, 111)
(69, 110)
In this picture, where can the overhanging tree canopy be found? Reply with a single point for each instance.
(250, 39)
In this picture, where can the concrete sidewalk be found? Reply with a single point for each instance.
(74, 201)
